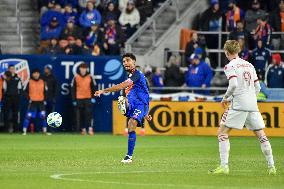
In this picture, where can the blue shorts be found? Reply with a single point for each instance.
(137, 111)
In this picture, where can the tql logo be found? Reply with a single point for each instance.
(113, 69)
(21, 67)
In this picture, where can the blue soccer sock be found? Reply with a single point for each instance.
(131, 142)
(26, 123)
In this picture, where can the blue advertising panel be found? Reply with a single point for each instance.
(107, 71)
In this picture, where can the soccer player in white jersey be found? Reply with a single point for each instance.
(243, 110)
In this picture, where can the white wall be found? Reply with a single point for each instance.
(172, 36)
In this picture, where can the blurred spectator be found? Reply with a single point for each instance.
(233, 14)
(70, 49)
(263, 32)
(111, 12)
(194, 44)
(129, 19)
(145, 8)
(262, 95)
(199, 75)
(94, 40)
(46, 5)
(80, 49)
(83, 89)
(50, 31)
(173, 75)
(260, 57)
(157, 79)
(51, 84)
(90, 15)
(72, 3)
(53, 48)
(71, 30)
(240, 31)
(70, 14)
(35, 92)
(122, 4)
(12, 90)
(50, 14)
(211, 19)
(276, 21)
(244, 54)
(252, 15)
(83, 3)
(113, 37)
(62, 45)
(275, 73)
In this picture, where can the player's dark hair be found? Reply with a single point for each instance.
(11, 65)
(36, 70)
(129, 55)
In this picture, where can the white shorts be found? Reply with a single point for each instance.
(238, 119)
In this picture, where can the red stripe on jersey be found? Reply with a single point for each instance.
(256, 80)
(232, 76)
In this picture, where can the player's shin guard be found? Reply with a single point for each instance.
(266, 150)
(131, 142)
(224, 149)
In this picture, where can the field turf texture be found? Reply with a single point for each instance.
(69, 161)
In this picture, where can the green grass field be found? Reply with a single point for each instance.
(79, 162)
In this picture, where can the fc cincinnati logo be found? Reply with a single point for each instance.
(21, 67)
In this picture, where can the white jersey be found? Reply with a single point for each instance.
(244, 96)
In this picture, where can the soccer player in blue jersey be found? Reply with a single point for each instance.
(136, 104)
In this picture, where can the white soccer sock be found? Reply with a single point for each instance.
(44, 129)
(24, 130)
(266, 150)
(224, 149)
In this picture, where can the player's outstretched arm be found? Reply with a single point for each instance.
(114, 88)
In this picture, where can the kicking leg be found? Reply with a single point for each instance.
(266, 150)
(132, 124)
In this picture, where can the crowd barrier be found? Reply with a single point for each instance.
(106, 70)
(198, 118)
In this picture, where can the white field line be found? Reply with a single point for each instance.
(62, 176)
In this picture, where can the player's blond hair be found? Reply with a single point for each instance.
(232, 47)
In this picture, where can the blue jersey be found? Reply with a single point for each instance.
(138, 91)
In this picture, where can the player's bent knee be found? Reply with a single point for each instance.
(132, 124)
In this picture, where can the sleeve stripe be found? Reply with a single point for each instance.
(232, 76)
(256, 80)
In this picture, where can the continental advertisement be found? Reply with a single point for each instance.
(198, 118)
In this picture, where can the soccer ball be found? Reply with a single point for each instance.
(54, 119)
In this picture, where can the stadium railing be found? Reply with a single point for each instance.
(151, 22)
(219, 50)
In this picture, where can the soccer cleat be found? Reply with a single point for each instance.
(219, 170)
(127, 159)
(24, 134)
(122, 104)
(272, 170)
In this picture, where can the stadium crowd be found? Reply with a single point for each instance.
(251, 23)
(90, 27)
